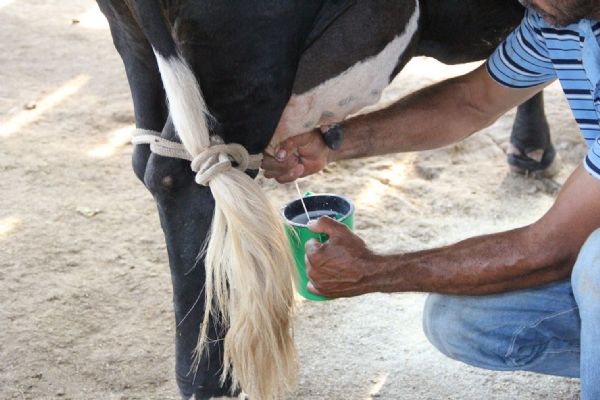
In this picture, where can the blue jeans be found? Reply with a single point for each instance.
(553, 329)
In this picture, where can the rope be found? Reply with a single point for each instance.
(216, 159)
(160, 146)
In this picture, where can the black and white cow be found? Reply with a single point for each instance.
(291, 65)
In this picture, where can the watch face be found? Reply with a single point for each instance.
(333, 136)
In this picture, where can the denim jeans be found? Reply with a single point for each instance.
(553, 329)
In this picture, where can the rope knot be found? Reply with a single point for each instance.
(219, 158)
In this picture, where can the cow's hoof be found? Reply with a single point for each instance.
(538, 163)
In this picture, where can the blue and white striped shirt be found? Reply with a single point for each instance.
(537, 52)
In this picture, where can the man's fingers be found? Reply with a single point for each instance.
(327, 225)
(289, 145)
(292, 175)
(311, 289)
(270, 163)
(273, 168)
(312, 246)
(297, 171)
(281, 154)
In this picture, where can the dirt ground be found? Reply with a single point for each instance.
(85, 289)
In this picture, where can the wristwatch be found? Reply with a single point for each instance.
(333, 135)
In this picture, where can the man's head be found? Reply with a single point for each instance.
(565, 12)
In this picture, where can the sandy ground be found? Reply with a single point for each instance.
(84, 284)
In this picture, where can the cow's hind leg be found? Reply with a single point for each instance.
(171, 183)
(185, 210)
(531, 150)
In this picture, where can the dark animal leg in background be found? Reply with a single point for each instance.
(458, 31)
(532, 150)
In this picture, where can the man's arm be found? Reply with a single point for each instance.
(435, 116)
(526, 257)
(429, 118)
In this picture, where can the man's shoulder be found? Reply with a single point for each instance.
(535, 20)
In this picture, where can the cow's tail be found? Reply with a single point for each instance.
(249, 267)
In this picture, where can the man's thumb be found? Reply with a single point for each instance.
(327, 225)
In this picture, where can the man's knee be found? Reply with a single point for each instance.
(461, 327)
(585, 279)
(442, 323)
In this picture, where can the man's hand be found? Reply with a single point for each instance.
(297, 157)
(339, 267)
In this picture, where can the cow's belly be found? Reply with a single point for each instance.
(359, 86)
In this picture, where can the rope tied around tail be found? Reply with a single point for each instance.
(213, 160)
(219, 158)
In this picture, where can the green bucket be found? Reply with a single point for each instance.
(295, 219)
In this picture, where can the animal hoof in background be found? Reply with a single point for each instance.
(538, 163)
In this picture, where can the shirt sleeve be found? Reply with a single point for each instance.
(592, 160)
(522, 60)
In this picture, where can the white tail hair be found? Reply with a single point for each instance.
(249, 266)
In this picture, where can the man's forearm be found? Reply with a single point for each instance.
(429, 118)
(481, 265)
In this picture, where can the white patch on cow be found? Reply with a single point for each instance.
(359, 86)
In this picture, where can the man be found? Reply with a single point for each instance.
(539, 308)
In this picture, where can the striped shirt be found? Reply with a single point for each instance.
(537, 52)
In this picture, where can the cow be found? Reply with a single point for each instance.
(229, 79)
